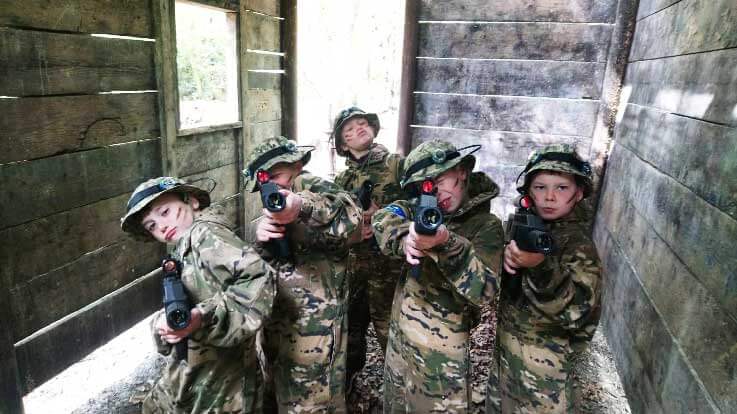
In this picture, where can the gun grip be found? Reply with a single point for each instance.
(280, 247)
(181, 348)
(414, 271)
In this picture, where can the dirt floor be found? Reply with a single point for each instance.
(115, 377)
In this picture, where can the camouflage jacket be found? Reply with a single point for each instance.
(306, 338)
(333, 224)
(379, 166)
(460, 275)
(562, 295)
(234, 289)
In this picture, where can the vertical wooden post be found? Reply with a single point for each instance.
(409, 63)
(289, 80)
(166, 81)
(10, 389)
(246, 141)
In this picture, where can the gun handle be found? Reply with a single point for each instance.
(181, 349)
(280, 247)
(414, 271)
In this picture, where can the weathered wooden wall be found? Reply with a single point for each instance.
(71, 153)
(85, 119)
(512, 76)
(667, 225)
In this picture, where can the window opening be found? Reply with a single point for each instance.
(207, 74)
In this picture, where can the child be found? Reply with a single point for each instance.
(556, 311)
(428, 366)
(373, 277)
(232, 290)
(305, 340)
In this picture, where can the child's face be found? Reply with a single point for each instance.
(554, 194)
(357, 134)
(283, 174)
(450, 189)
(169, 217)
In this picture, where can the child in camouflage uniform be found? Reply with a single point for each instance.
(555, 308)
(233, 291)
(305, 341)
(428, 366)
(373, 276)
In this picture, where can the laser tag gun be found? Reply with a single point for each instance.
(273, 201)
(428, 216)
(176, 302)
(528, 230)
(363, 194)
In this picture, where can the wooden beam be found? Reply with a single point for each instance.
(686, 27)
(10, 390)
(52, 185)
(516, 78)
(648, 7)
(700, 155)
(550, 41)
(203, 152)
(121, 17)
(166, 81)
(49, 297)
(270, 7)
(698, 85)
(51, 350)
(634, 329)
(583, 11)
(699, 234)
(502, 113)
(409, 73)
(74, 123)
(289, 43)
(69, 234)
(231, 5)
(263, 32)
(43, 63)
(689, 311)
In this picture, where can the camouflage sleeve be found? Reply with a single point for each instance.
(472, 266)
(566, 287)
(341, 180)
(390, 225)
(330, 210)
(245, 287)
(392, 190)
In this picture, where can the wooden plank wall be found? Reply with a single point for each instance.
(84, 125)
(264, 59)
(512, 76)
(667, 224)
(71, 153)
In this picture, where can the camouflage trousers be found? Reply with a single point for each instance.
(422, 372)
(531, 373)
(212, 388)
(305, 343)
(372, 280)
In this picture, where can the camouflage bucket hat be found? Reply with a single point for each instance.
(149, 191)
(345, 116)
(433, 158)
(272, 152)
(560, 158)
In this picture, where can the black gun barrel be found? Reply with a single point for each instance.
(363, 194)
(176, 302)
(275, 201)
(428, 219)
